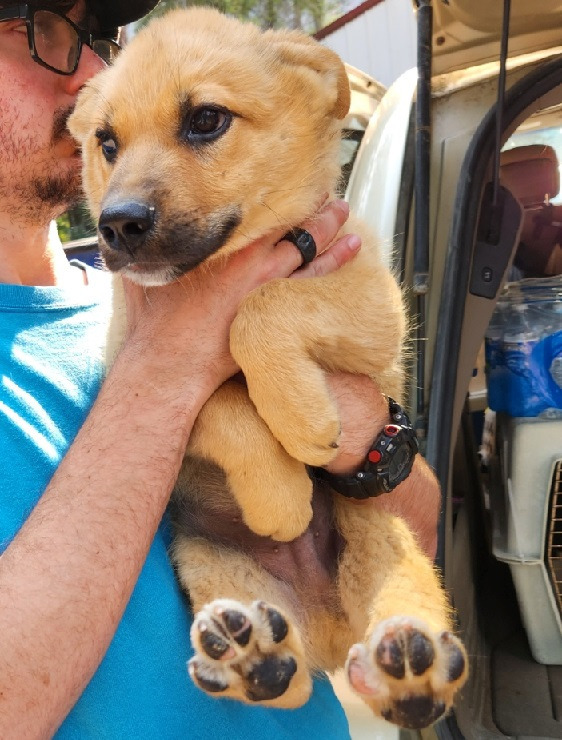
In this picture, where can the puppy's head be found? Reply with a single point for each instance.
(204, 135)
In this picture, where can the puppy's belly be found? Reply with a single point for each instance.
(310, 562)
(308, 565)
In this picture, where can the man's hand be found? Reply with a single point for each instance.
(188, 321)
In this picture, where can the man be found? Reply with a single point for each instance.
(93, 629)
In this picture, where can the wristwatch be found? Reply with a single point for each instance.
(389, 460)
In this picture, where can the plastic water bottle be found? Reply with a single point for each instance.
(524, 350)
(555, 329)
(495, 363)
(555, 370)
(523, 330)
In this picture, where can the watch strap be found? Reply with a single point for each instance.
(388, 462)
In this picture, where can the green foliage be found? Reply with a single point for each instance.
(307, 15)
(76, 223)
(63, 225)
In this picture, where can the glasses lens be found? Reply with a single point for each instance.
(56, 42)
(106, 49)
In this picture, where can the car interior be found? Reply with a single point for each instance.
(507, 469)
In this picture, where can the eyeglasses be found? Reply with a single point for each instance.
(55, 41)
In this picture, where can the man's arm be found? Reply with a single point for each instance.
(364, 412)
(66, 578)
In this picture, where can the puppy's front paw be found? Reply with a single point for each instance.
(308, 428)
(250, 653)
(406, 673)
(312, 440)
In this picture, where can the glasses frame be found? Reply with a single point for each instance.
(26, 12)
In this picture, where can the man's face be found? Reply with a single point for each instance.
(40, 167)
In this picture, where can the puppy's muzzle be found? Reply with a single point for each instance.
(125, 226)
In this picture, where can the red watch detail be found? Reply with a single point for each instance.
(391, 430)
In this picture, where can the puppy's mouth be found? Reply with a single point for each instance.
(152, 275)
(172, 246)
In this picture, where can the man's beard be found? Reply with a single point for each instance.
(38, 182)
(53, 192)
(59, 190)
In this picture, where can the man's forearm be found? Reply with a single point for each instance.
(417, 500)
(67, 576)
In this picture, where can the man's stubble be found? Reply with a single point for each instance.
(50, 188)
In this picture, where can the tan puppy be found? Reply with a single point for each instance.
(204, 135)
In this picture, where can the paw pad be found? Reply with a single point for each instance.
(270, 678)
(244, 651)
(211, 685)
(390, 657)
(414, 712)
(455, 656)
(237, 624)
(277, 623)
(215, 645)
(407, 673)
(404, 648)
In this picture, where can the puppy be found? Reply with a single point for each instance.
(204, 135)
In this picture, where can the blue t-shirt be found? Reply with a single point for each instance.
(51, 369)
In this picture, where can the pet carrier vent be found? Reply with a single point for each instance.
(554, 539)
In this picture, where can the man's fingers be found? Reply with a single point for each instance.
(323, 227)
(284, 258)
(332, 259)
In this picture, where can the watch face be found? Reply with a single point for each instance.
(400, 464)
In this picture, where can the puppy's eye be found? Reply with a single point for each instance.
(207, 121)
(207, 124)
(109, 149)
(108, 145)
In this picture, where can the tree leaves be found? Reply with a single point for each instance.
(307, 15)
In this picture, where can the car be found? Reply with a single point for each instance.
(464, 193)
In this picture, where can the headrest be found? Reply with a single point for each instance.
(530, 173)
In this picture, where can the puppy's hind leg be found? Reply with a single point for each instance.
(244, 649)
(272, 489)
(409, 664)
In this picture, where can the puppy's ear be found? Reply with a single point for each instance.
(299, 50)
(86, 111)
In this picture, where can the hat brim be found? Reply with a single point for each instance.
(113, 13)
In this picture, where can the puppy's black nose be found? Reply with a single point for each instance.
(125, 226)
